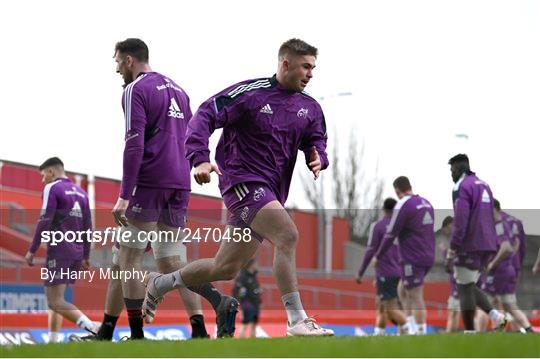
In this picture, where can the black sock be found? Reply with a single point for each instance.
(467, 304)
(198, 329)
(208, 292)
(481, 300)
(134, 310)
(107, 327)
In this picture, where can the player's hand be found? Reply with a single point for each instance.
(119, 212)
(85, 265)
(203, 170)
(315, 162)
(489, 267)
(375, 262)
(449, 265)
(358, 279)
(449, 261)
(29, 258)
(536, 269)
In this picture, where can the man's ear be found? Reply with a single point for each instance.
(129, 60)
(286, 64)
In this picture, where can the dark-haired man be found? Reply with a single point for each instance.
(155, 187)
(265, 122)
(412, 223)
(65, 209)
(388, 270)
(473, 241)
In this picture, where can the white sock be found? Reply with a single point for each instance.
(168, 282)
(494, 314)
(54, 337)
(379, 331)
(411, 324)
(293, 306)
(421, 329)
(84, 323)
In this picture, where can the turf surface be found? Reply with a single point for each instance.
(456, 345)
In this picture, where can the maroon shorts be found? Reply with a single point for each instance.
(474, 260)
(244, 201)
(164, 205)
(61, 269)
(502, 281)
(413, 275)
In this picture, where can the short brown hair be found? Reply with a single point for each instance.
(52, 162)
(133, 47)
(296, 47)
(447, 221)
(402, 183)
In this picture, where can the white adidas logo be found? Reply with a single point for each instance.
(76, 211)
(267, 109)
(174, 110)
(485, 197)
(427, 219)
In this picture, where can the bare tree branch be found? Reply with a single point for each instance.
(357, 189)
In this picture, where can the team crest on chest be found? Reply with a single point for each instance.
(302, 113)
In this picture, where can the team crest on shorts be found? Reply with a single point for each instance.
(244, 214)
(137, 208)
(258, 194)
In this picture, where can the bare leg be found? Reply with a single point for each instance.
(481, 321)
(380, 319)
(417, 304)
(274, 223)
(130, 259)
(243, 328)
(57, 303)
(113, 301)
(228, 261)
(519, 317)
(55, 321)
(253, 329)
(394, 312)
(452, 322)
(192, 302)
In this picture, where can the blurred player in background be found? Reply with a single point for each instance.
(453, 319)
(473, 241)
(155, 186)
(412, 223)
(65, 209)
(387, 272)
(248, 292)
(501, 274)
(520, 244)
(536, 266)
(265, 122)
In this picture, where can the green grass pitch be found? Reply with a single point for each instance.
(455, 345)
